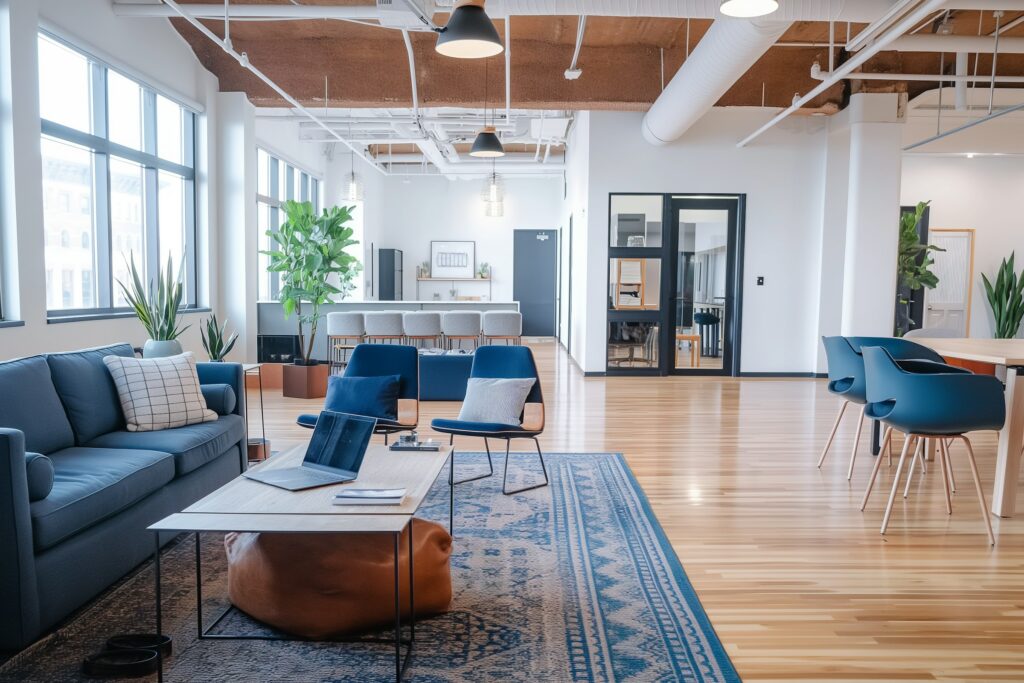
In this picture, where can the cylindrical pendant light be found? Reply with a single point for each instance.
(469, 33)
(354, 192)
(748, 8)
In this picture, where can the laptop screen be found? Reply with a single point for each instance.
(339, 442)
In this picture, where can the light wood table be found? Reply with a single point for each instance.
(1008, 354)
(245, 505)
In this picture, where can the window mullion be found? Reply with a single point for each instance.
(151, 224)
(191, 271)
(103, 249)
(149, 122)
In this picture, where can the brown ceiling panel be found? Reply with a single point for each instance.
(623, 61)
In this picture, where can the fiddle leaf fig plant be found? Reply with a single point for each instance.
(1006, 297)
(309, 253)
(914, 263)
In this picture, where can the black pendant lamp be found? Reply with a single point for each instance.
(486, 145)
(469, 33)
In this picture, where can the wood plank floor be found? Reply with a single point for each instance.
(798, 583)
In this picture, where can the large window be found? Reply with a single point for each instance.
(277, 182)
(118, 181)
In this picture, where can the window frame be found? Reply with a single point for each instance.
(98, 144)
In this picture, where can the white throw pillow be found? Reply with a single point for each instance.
(159, 393)
(495, 400)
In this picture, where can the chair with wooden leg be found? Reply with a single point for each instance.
(936, 405)
(846, 376)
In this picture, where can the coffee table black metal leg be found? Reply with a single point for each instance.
(398, 616)
(159, 609)
(451, 493)
(199, 589)
(876, 433)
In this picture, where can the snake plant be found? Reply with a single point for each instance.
(216, 340)
(1006, 297)
(156, 307)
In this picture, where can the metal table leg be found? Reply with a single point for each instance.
(159, 609)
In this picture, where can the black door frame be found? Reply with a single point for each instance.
(665, 316)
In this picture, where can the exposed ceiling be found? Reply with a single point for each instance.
(625, 62)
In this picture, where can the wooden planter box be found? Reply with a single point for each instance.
(305, 381)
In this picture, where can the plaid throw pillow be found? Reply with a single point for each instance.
(159, 393)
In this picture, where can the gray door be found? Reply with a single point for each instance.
(535, 269)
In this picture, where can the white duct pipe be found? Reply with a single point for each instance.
(960, 86)
(807, 10)
(727, 51)
(935, 43)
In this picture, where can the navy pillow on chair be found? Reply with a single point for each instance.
(369, 396)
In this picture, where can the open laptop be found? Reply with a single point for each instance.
(334, 455)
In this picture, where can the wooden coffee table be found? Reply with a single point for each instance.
(245, 505)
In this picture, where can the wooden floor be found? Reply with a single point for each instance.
(797, 581)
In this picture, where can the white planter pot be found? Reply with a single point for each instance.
(161, 349)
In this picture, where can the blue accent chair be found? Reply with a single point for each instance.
(377, 360)
(936, 404)
(846, 376)
(502, 362)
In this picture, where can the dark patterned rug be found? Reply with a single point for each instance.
(573, 582)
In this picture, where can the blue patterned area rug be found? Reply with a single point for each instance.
(573, 582)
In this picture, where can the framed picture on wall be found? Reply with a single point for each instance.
(453, 259)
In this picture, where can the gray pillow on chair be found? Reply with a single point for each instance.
(497, 401)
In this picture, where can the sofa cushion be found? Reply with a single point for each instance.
(490, 399)
(469, 428)
(159, 393)
(87, 391)
(34, 408)
(92, 484)
(39, 472)
(192, 446)
(220, 398)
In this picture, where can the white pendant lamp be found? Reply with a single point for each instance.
(493, 194)
(469, 33)
(748, 9)
(354, 192)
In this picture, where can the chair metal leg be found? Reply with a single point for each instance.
(835, 427)
(911, 441)
(544, 469)
(977, 487)
(949, 467)
(856, 441)
(887, 445)
(490, 466)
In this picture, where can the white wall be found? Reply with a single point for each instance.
(577, 179)
(280, 137)
(782, 177)
(981, 193)
(416, 210)
(148, 50)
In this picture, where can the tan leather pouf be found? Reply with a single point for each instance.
(326, 585)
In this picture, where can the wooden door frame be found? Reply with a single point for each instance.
(970, 273)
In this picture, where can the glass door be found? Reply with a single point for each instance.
(701, 307)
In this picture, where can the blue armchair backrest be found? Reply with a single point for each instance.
(507, 362)
(899, 349)
(950, 402)
(845, 369)
(374, 360)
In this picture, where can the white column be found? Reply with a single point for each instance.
(872, 215)
(236, 162)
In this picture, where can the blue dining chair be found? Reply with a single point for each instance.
(846, 378)
(377, 360)
(938, 404)
(501, 362)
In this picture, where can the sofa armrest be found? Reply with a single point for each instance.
(225, 373)
(19, 601)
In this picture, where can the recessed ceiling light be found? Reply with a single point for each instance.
(469, 33)
(748, 8)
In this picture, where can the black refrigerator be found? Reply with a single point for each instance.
(389, 268)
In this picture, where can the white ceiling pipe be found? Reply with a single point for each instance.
(907, 23)
(936, 43)
(726, 52)
(820, 75)
(807, 10)
(791, 10)
(250, 11)
(243, 60)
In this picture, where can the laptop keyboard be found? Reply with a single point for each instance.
(317, 475)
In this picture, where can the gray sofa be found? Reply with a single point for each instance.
(77, 491)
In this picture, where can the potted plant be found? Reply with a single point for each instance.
(1006, 298)
(425, 269)
(484, 271)
(310, 255)
(157, 309)
(913, 266)
(216, 340)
